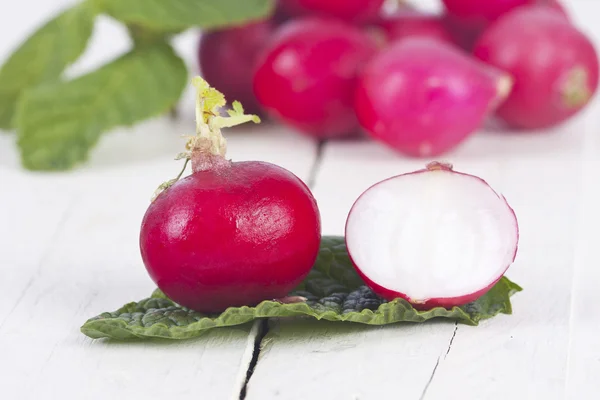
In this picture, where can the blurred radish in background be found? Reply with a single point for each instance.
(466, 19)
(406, 23)
(302, 64)
(348, 10)
(307, 75)
(554, 65)
(423, 97)
(227, 58)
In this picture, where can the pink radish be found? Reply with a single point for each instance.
(227, 57)
(307, 74)
(555, 5)
(467, 19)
(434, 237)
(347, 10)
(423, 97)
(463, 33)
(412, 23)
(483, 12)
(231, 233)
(555, 66)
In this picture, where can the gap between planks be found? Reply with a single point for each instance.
(437, 363)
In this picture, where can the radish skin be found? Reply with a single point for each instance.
(307, 74)
(466, 19)
(347, 10)
(411, 23)
(554, 65)
(423, 97)
(227, 58)
(231, 233)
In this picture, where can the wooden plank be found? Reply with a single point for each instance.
(29, 224)
(326, 360)
(524, 353)
(583, 364)
(584, 350)
(93, 265)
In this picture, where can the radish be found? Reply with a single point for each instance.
(555, 5)
(412, 23)
(307, 74)
(483, 12)
(227, 57)
(347, 10)
(555, 66)
(467, 19)
(231, 233)
(434, 237)
(423, 97)
(464, 35)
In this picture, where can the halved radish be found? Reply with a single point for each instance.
(435, 237)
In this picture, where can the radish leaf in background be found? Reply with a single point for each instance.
(59, 123)
(44, 56)
(171, 15)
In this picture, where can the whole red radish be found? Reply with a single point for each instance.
(434, 237)
(307, 74)
(410, 23)
(423, 97)
(347, 10)
(227, 58)
(554, 65)
(231, 233)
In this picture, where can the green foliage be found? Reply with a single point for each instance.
(168, 15)
(44, 56)
(59, 123)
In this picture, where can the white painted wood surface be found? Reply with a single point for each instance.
(68, 250)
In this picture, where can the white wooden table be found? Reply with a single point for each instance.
(69, 250)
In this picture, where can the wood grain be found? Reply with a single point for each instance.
(69, 251)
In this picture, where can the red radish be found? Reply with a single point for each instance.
(467, 19)
(307, 74)
(227, 58)
(412, 23)
(554, 65)
(423, 97)
(481, 12)
(231, 233)
(347, 10)
(463, 33)
(434, 237)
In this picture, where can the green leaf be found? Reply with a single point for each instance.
(59, 123)
(173, 15)
(44, 56)
(333, 290)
